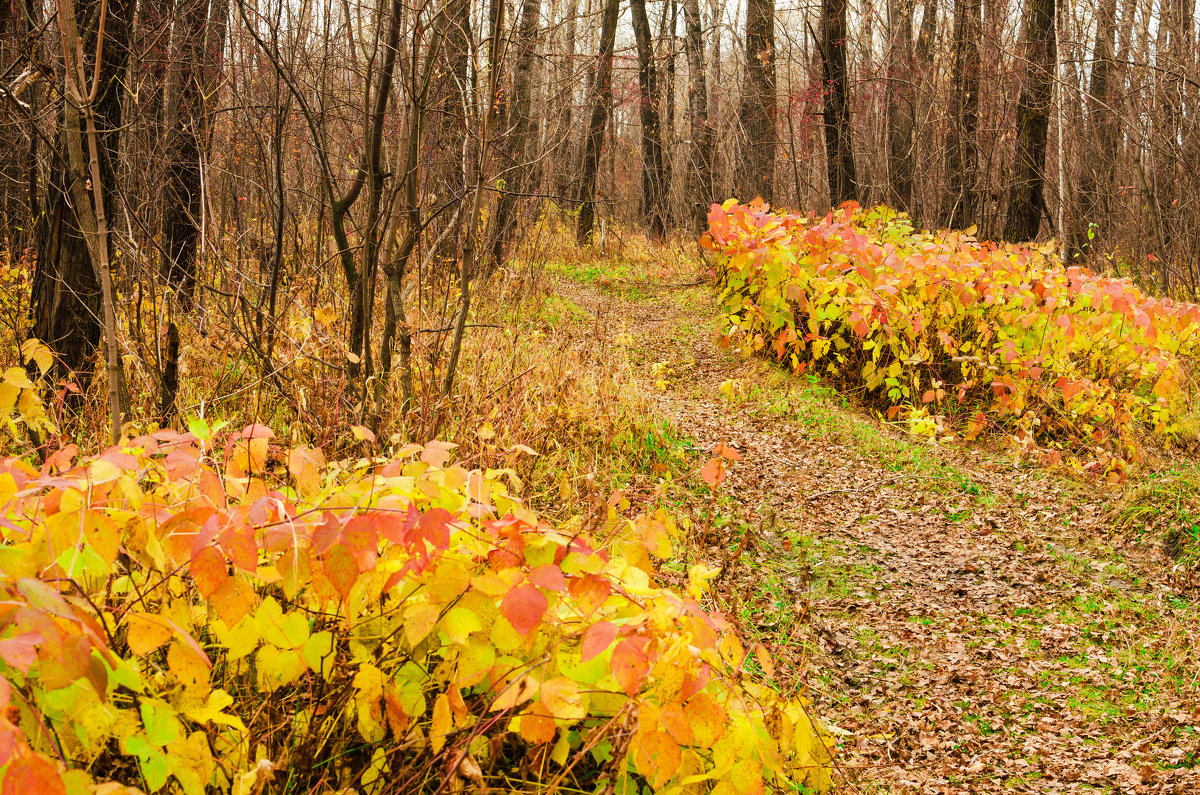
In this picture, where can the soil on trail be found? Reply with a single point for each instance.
(963, 622)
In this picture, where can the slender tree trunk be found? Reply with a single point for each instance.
(902, 104)
(839, 149)
(700, 179)
(1103, 123)
(755, 174)
(962, 146)
(515, 168)
(1026, 200)
(601, 105)
(653, 175)
(181, 216)
(568, 153)
(66, 294)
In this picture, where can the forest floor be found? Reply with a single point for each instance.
(963, 621)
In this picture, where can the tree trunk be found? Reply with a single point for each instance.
(66, 305)
(653, 175)
(700, 179)
(1097, 181)
(962, 146)
(515, 168)
(197, 61)
(756, 160)
(601, 105)
(839, 150)
(901, 108)
(1026, 201)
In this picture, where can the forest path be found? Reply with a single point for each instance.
(964, 623)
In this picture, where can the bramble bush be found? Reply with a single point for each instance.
(934, 327)
(213, 611)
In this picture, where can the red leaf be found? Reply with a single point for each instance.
(399, 530)
(360, 538)
(728, 452)
(21, 651)
(524, 607)
(629, 666)
(240, 546)
(435, 527)
(326, 533)
(32, 773)
(549, 577)
(209, 571)
(341, 568)
(597, 638)
(713, 472)
(589, 592)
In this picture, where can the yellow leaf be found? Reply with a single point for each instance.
(146, 632)
(276, 668)
(442, 722)
(561, 698)
(305, 465)
(189, 669)
(419, 620)
(368, 690)
(192, 763)
(39, 353)
(699, 577)
(657, 757)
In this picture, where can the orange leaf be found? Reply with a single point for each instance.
(599, 636)
(32, 773)
(713, 472)
(209, 571)
(725, 451)
(232, 600)
(629, 666)
(657, 757)
(341, 568)
(549, 577)
(524, 607)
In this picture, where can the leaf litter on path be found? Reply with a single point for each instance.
(963, 624)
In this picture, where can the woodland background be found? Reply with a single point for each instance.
(237, 168)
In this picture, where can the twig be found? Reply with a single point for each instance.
(451, 327)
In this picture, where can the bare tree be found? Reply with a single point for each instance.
(1026, 200)
(653, 171)
(756, 161)
(600, 103)
(962, 147)
(839, 145)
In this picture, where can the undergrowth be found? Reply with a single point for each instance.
(956, 336)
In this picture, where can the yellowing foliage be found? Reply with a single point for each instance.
(195, 611)
(939, 325)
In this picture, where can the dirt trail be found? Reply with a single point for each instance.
(964, 624)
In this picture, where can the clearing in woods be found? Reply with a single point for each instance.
(963, 621)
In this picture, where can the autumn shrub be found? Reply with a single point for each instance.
(934, 327)
(210, 611)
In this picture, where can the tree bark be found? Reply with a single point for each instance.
(700, 187)
(653, 174)
(962, 147)
(756, 160)
(901, 108)
(839, 147)
(1026, 200)
(66, 300)
(197, 61)
(515, 168)
(1096, 183)
(601, 106)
